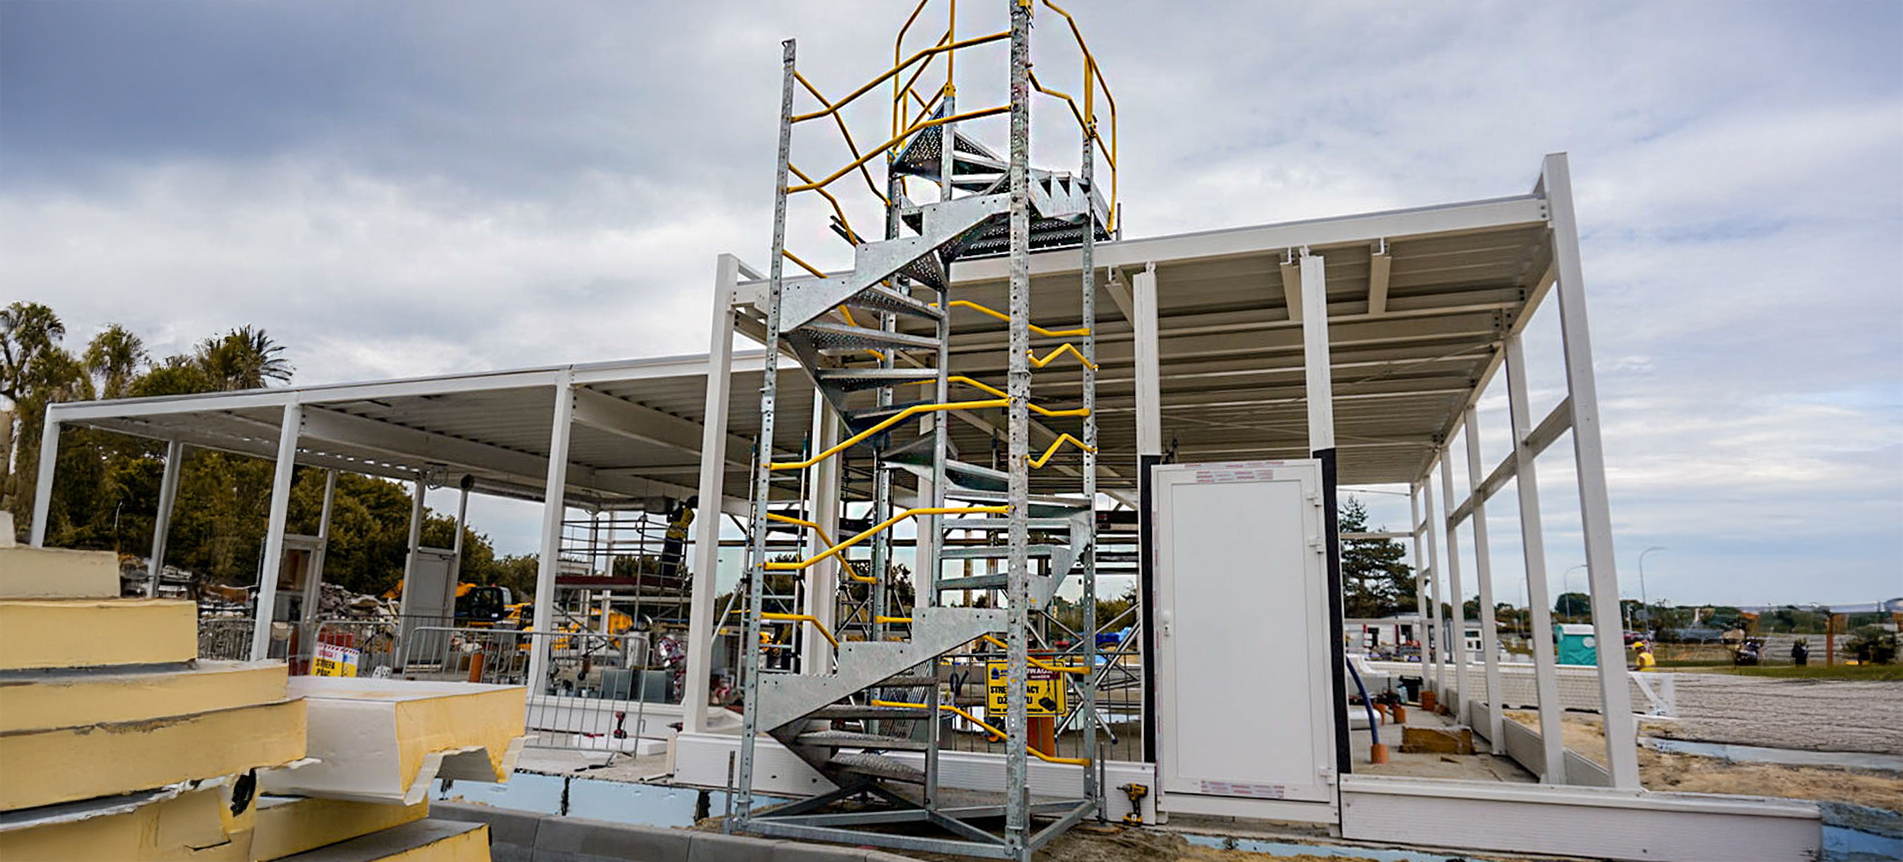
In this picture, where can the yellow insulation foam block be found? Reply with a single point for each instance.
(422, 841)
(45, 573)
(384, 740)
(44, 767)
(194, 825)
(76, 698)
(72, 633)
(288, 825)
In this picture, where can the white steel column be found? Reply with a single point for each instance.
(1434, 570)
(1532, 539)
(1483, 573)
(822, 578)
(1423, 632)
(1149, 389)
(1320, 392)
(554, 494)
(314, 585)
(713, 476)
(1456, 603)
(1595, 507)
(162, 524)
(462, 516)
(274, 530)
(419, 487)
(43, 489)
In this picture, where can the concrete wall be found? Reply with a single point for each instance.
(521, 836)
(1578, 686)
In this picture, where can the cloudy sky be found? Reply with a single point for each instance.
(400, 188)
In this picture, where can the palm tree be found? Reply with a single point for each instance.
(114, 356)
(28, 331)
(244, 358)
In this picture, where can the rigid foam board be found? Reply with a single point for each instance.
(73, 698)
(193, 825)
(288, 825)
(422, 841)
(44, 573)
(384, 740)
(44, 767)
(75, 633)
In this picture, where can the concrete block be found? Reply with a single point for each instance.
(799, 851)
(573, 839)
(506, 826)
(716, 847)
(1437, 740)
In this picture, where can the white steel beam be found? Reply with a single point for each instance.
(554, 508)
(314, 585)
(1149, 398)
(274, 531)
(1319, 389)
(1424, 634)
(1595, 507)
(1441, 640)
(1483, 574)
(640, 422)
(713, 476)
(822, 578)
(1292, 286)
(1379, 264)
(1558, 422)
(1533, 541)
(419, 488)
(162, 521)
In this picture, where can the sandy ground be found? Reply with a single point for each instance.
(1691, 773)
(1812, 715)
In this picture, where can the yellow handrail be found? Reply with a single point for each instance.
(992, 312)
(875, 529)
(803, 618)
(1035, 661)
(888, 422)
(1061, 350)
(900, 67)
(916, 127)
(1094, 72)
(852, 236)
(996, 733)
(851, 145)
(892, 620)
(1041, 460)
(789, 519)
(980, 385)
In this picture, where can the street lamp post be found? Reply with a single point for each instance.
(1566, 577)
(1645, 605)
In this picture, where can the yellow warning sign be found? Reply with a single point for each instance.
(333, 660)
(1043, 692)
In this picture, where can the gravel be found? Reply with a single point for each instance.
(1812, 715)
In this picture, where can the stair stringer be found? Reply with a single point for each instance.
(874, 262)
(786, 698)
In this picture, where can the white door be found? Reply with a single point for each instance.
(1243, 665)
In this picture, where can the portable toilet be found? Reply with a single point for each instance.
(1576, 643)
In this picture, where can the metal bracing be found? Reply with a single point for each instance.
(274, 531)
(162, 522)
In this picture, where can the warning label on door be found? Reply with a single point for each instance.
(1043, 692)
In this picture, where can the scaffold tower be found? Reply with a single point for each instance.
(867, 710)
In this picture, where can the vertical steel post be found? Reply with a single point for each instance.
(43, 488)
(1483, 573)
(288, 428)
(1595, 507)
(162, 524)
(713, 477)
(314, 585)
(1087, 262)
(1016, 776)
(1423, 634)
(822, 578)
(1456, 602)
(931, 540)
(1437, 598)
(751, 663)
(554, 507)
(1533, 542)
(418, 487)
(1319, 391)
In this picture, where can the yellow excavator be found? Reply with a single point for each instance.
(479, 606)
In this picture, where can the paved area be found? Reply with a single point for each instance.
(1812, 715)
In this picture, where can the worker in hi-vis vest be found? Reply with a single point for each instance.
(674, 543)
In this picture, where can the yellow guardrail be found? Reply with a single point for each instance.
(875, 529)
(995, 733)
(1033, 660)
(1061, 350)
(1035, 329)
(888, 422)
(1045, 458)
(803, 618)
(989, 389)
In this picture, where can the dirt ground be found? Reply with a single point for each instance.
(1812, 715)
(1691, 773)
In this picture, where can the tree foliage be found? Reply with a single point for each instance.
(1376, 582)
(106, 487)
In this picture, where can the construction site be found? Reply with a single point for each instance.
(838, 588)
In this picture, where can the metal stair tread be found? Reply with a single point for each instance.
(880, 298)
(827, 336)
(877, 766)
(850, 739)
(986, 552)
(846, 711)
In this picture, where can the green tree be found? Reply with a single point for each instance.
(244, 358)
(1375, 580)
(114, 357)
(1573, 606)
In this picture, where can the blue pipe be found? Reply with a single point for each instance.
(1374, 727)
